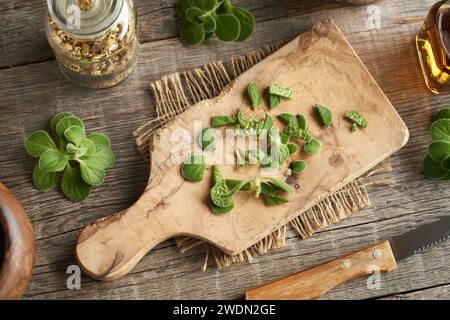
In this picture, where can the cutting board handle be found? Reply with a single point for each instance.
(110, 247)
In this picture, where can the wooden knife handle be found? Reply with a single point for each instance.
(313, 283)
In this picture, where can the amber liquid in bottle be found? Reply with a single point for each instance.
(433, 47)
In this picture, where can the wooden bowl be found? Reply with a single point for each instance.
(16, 247)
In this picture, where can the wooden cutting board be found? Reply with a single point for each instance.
(321, 67)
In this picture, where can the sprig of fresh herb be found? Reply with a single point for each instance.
(207, 18)
(255, 95)
(437, 161)
(81, 159)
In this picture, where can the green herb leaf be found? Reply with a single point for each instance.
(298, 166)
(43, 180)
(312, 147)
(247, 22)
(53, 160)
(193, 168)
(192, 33)
(39, 142)
(440, 130)
(209, 25)
(439, 150)
(72, 149)
(268, 123)
(433, 168)
(357, 117)
(89, 149)
(219, 121)
(292, 148)
(268, 190)
(283, 154)
(228, 27)
(75, 134)
(67, 122)
(56, 119)
(219, 210)
(99, 139)
(442, 114)
(325, 115)
(103, 156)
(274, 101)
(255, 94)
(253, 156)
(73, 186)
(193, 15)
(302, 122)
(279, 184)
(281, 91)
(182, 6)
(207, 139)
(220, 195)
(92, 171)
(241, 160)
(274, 201)
(225, 8)
(288, 119)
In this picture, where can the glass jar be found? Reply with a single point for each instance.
(95, 41)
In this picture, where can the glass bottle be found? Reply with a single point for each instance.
(95, 41)
(433, 48)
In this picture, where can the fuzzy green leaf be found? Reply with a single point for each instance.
(312, 147)
(53, 160)
(281, 91)
(357, 117)
(439, 150)
(73, 186)
(193, 168)
(67, 122)
(206, 5)
(247, 22)
(232, 183)
(274, 201)
(325, 115)
(43, 180)
(274, 101)
(440, 130)
(219, 121)
(99, 139)
(192, 33)
(39, 142)
(268, 190)
(228, 27)
(268, 123)
(302, 122)
(279, 184)
(209, 25)
(255, 94)
(288, 118)
(56, 119)
(445, 164)
(75, 134)
(89, 148)
(219, 210)
(92, 171)
(292, 148)
(298, 166)
(194, 15)
(104, 156)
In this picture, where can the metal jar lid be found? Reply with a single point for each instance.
(85, 18)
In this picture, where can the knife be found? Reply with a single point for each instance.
(314, 282)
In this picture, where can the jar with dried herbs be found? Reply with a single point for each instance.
(95, 41)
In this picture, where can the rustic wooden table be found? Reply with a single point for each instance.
(32, 89)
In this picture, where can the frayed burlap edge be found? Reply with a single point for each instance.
(175, 93)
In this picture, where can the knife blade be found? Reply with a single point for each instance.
(314, 282)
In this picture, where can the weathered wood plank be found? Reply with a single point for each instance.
(30, 95)
(23, 38)
(436, 293)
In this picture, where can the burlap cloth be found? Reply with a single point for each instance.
(176, 92)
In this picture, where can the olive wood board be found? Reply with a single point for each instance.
(322, 67)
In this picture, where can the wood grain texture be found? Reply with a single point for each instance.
(31, 94)
(315, 282)
(319, 65)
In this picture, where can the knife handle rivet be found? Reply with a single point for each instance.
(347, 264)
(378, 254)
